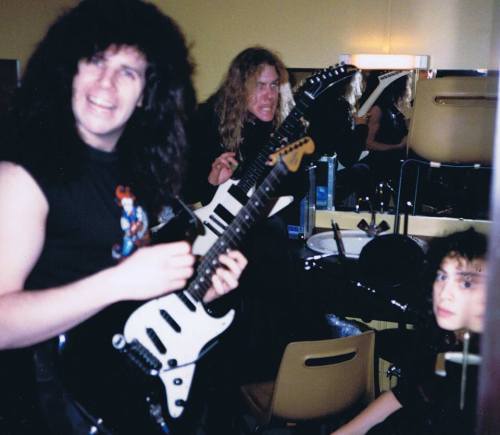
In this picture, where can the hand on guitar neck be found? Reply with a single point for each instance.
(223, 168)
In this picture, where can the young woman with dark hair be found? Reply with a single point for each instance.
(423, 402)
(387, 132)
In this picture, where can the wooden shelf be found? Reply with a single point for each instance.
(428, 226)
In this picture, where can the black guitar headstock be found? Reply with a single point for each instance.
(324, 79)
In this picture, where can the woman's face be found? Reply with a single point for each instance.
(459, 294)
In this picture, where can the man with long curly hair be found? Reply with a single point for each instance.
(229, 130)
(235, 123)
(102, 109)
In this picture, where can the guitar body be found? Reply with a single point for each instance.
(220, 212)
(120, 385)
(105, 383)
(166, 336)
(180, 331)
(139, 380)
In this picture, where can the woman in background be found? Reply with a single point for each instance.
(336, 129)
(387, 132)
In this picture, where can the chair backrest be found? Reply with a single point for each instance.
(453, 119)
(324, 377)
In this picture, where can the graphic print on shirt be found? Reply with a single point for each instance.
(134, 223)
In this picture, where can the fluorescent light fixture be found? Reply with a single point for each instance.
(386, 61)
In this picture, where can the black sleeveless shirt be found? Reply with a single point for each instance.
(82, 229)
(392, 125)
(82, 225)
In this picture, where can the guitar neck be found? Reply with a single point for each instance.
(234, 233)
(367, 105)
(292, 127)
(385, 80)
(290, 130)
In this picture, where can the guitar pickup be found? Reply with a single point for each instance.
(238, 194)
(224, 213)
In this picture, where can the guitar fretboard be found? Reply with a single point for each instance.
(232, 236)
(290, 130)
(293, 127)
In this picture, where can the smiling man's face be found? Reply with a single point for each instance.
(106, 90)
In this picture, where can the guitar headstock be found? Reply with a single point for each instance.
(324, 79)
(392, 76)
(292, 154)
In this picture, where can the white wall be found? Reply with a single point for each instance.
(312, 33)
(24, 22)
(307, 33)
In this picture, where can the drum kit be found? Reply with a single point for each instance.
(388, 271)
(389, 266)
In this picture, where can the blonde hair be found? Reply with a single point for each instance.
(354, 90)
(239, 82)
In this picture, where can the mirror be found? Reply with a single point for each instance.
(458, 189)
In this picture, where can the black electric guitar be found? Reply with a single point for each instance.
(140, 373)
(233, 194)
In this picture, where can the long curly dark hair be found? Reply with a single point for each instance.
(42, 125)
(397, 93)
(469, 245)
(232, 96)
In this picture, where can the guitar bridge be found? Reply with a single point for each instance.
(138, 355)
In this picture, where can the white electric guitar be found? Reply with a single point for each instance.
(384, 81)
(166, 336)
(233, 194)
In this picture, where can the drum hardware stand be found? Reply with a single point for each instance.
(425, 164)
(372, 229)
(409, 205)
(394, 372)
(156, 413)
(404, 308)
(393, 302)
(465, 358)
(463, 380)
(310, 262)
(384, 191)
(337, 236)
(96, 423)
